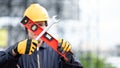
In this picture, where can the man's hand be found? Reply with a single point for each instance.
(27, 46)
(65, 48)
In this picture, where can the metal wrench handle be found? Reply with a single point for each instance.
(54, 21)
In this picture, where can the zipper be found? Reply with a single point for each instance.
(38, 60)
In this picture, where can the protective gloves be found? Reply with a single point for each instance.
(65, 48)
(27, 46)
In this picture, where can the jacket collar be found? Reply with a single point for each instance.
(44, 45)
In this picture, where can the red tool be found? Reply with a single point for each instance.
(36, 29)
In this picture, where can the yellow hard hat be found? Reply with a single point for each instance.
(36, 13)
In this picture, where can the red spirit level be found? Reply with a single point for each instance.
(36, 29)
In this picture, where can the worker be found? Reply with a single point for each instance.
(24, 54)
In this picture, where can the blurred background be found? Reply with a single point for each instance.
(91, 26)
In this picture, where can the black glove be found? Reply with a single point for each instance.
(27, 46)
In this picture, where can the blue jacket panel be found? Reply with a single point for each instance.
(48, 59)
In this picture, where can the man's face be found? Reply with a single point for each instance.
(31, 34)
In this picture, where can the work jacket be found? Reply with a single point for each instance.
(48, 58)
